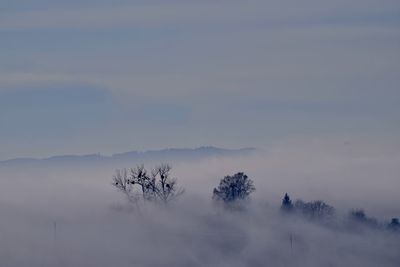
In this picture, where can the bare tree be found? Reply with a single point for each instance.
(158, 186)
(123, 183)
(166, 188)
(146, 183)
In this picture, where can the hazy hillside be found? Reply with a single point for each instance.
(131, 157)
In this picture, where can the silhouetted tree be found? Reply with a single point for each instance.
(358, 216)
(159, 186)
(394, 225)
(123, 183)
(165, 187)
(233, 188)
(315, 210)
(286, 203)
(146, 183)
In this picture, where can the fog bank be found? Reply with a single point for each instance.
(73, 216)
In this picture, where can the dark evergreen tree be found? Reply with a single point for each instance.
(286, 203)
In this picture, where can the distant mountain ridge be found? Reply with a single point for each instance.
(160, 155)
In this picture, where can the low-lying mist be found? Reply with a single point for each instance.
(73, 216)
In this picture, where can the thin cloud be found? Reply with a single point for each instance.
(191, 14)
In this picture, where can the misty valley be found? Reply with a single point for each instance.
(207, 207)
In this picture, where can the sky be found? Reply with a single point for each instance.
(87, 76)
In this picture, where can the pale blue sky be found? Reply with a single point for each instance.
(94, 76)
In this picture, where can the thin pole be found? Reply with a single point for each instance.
(55, 230)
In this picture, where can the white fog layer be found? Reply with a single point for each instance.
(73, 216)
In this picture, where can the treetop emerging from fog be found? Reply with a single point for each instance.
(232, 188)
(140, 185)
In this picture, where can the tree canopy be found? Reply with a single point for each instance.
(236, 187)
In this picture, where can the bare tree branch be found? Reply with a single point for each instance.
(159, 186)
